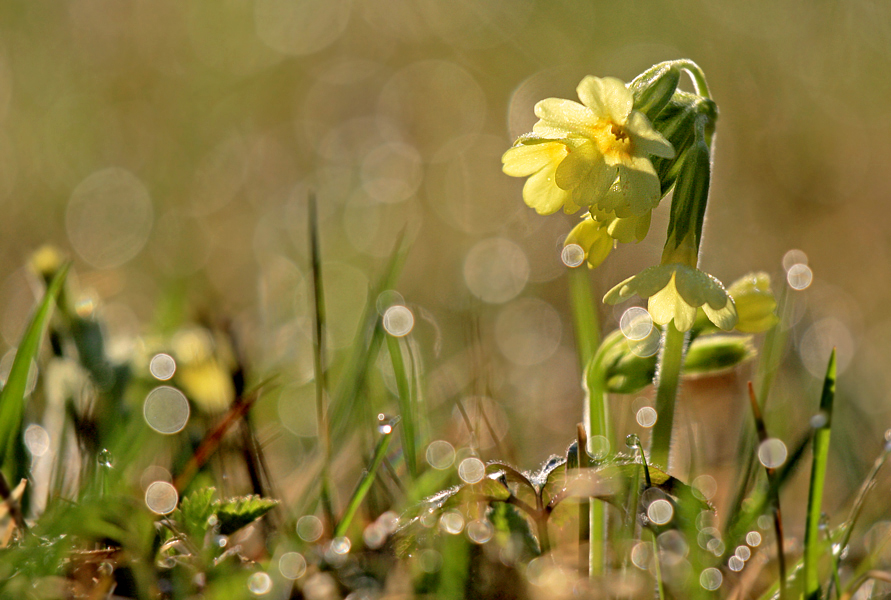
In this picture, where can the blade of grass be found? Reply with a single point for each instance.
(14, 394)
(761, 428)
(365, 483)
(812, 542)
(405, 405)
(322, 416)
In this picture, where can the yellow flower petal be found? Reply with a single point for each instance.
(543, 194)
(667, 305)
(566, 114)
(525, 159)
(607, 97)
(646, 139)
(638, 187)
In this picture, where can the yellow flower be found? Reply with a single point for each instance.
(596, 236)
(675, 291)
(755, 303)
(594, 154)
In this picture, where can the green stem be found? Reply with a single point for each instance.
(669, 374)
(697, 75)
(584, 315)
(597, 425)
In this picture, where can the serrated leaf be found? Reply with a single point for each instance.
(195, 510)
(235, 513)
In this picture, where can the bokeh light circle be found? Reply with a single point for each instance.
(166, 410)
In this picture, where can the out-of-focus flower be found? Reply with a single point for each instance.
(594, 154)
(204, 369)
(675, 291)
(755, 303)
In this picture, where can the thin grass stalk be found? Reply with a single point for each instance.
(365, 483)
(406, 411)
(597, 413)
(322, 414)
(812, 542)
(671, 359)
(761, 428)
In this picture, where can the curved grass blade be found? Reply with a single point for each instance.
(13, 396)
(405, 405)
(812, 542)
(365, 483)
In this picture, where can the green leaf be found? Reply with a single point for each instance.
(235, 513)
(512, 530)
(195, 510)
(13, 397)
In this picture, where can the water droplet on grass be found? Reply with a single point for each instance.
(452, 522)
(166, 410)
(799, 277)
(636, 323)
(772, 453)
(340, 545)
(471, 470)
(259, 583)
(162, 366)
(646, 416)
(161, 498)
(660, 512)
(572, 255)
(632, 441)
(440, 454)
(398, 321)
(309, 528)
(711, 579)
(105, 458)
(37, 440)
(292, 565)
(480, 531)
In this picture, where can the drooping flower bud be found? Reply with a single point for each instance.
(654, 87)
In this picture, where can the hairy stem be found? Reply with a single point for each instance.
(668, 373)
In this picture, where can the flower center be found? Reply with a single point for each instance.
(613, 142)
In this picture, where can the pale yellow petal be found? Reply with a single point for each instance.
(565, 114)
(725, 318)
(525, 159)
(700, 288)
(638, 185)
(607, 97)
(543, 194)
(667, 305)
(645, 139)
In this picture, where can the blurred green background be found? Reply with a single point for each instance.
(169, 146)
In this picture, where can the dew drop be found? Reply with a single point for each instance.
(753, 538)
(636, 323)
(632, 441)
(705, 487)
(452, 522)
(340, 545)
(598, 447)
(105, 458)
(260, 583)
(772, 453)
(480, 531)
(660, 511)
(792, 258)
(646, 416)
(162, 366)
(161, 498)
(37, 440)
(471, 470)
(398, 321)
(309, 528)
(388, 299)
(799, 277)
(440, 454)
(711, 579)
(166, 410)
(572, 255)
(292, 565)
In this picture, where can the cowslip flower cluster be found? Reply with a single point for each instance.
(593, 155)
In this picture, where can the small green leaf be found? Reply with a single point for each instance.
(235, 513)
(512, 529)
(195, 510)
